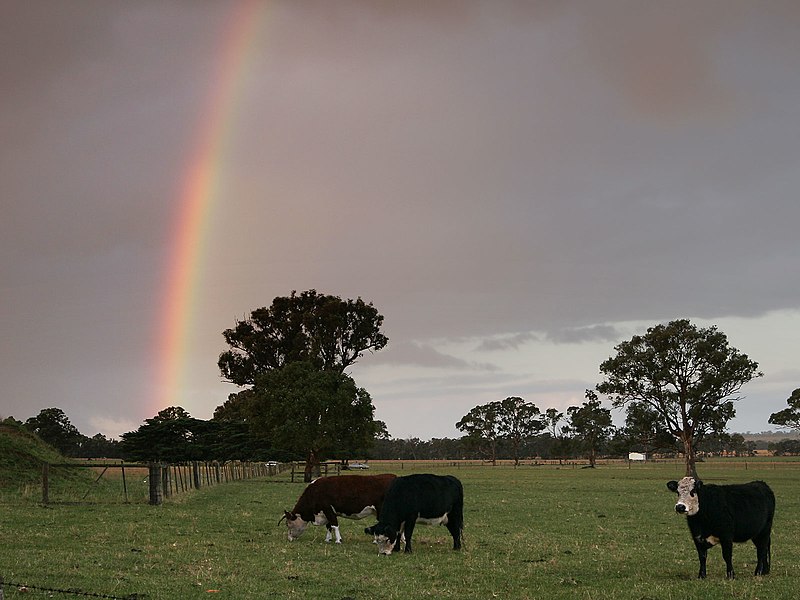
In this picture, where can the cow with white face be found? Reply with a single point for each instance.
(688, 501)
(422, 498)
(724, 514)
(327, 498)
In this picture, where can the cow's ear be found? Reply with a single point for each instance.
(697, 485)
(673, 486)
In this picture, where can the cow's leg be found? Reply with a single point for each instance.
(727, 554)
(333, 525)
(763, 554)
(702, 554)
(336, 532)
(455, 530)
(455, 524)
(409, 530)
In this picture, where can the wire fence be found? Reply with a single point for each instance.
(27, 589)
(137, 482)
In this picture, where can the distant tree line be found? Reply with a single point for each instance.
(174, 436)
(53, 427)
(677, 384)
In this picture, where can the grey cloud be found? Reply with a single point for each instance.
(423, 355)
(595, 333)
(510, 342)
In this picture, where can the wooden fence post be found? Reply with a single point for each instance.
(196, 474)
(124, 482)
(166, 483)
(156, 491)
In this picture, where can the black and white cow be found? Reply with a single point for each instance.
(724, 514)
(326, 498)
(422, 498)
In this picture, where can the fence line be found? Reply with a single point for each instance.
(166, 480)
(23, 588)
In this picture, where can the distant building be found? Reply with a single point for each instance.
(636, 456)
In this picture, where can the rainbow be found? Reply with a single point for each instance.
(196, 194)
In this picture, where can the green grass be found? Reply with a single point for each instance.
(531, 532)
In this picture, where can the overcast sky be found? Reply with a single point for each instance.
(516, 186)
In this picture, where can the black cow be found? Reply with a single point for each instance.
(423, 498)
(723, 514)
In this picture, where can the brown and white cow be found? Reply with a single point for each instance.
(326, 498)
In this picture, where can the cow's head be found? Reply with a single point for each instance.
(385, 537)
(295, 524)
(688, 500)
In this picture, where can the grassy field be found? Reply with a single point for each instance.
(531, 532)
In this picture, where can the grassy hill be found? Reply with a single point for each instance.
(21, 457)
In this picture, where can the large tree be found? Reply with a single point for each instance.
(559, 446)
(482, 426)
(688, 376)
(324, 330)
(788, 417)
(519, 420)
(512, 419)
(591, 424)
(171, 436)
(296, 351)
(310, 413)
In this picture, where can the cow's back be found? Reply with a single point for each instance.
(346, 493)
(745, 510)
(424, 495)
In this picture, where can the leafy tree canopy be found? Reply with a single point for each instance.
(512, 419)
(326, 331)
(644, 431)
(590, 423)
(788, 417)
(316, 414)
(54, 427)
(170, 436)
(688, 376)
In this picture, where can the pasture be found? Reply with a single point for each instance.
(530, 532)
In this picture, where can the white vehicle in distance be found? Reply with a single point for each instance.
(356, 466)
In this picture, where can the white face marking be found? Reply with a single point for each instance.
(385, 546)
(688, 501)
(296, 527)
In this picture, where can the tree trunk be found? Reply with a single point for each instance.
(688, 453)
(312, 467)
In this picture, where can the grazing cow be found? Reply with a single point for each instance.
(326, 498)
(429, 499)
(723, 514)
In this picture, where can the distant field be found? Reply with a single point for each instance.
(531, 532)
